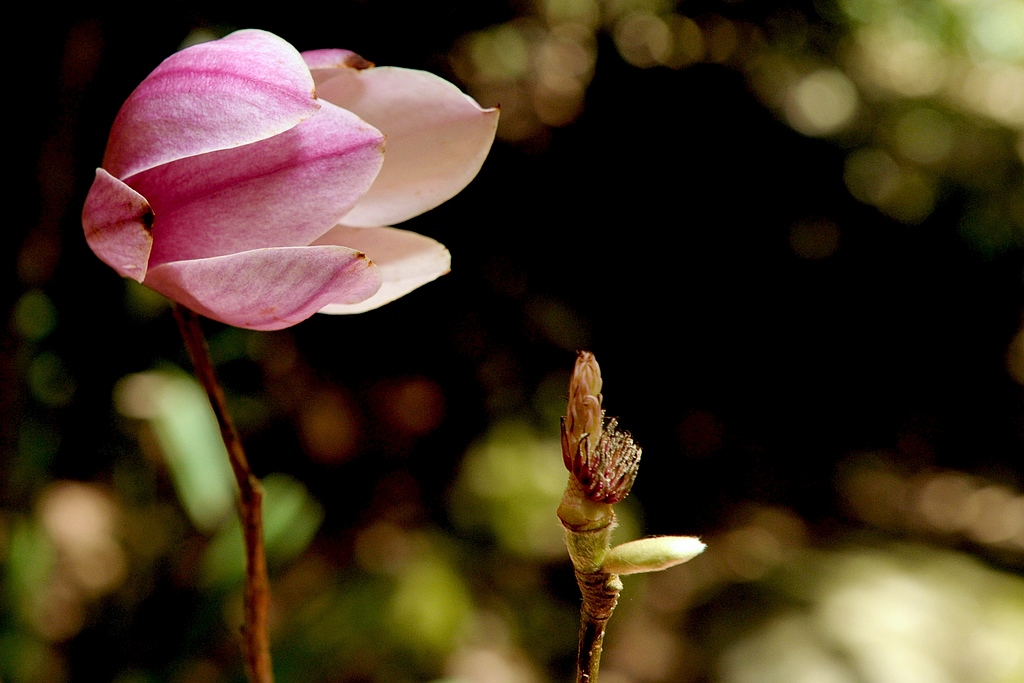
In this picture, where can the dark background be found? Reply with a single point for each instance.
(655, 230)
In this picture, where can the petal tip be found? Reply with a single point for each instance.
(118, 225)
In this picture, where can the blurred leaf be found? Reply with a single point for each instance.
(179, 413)
(510, 485)
(291, 517)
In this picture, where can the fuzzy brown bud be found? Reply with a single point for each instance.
(606, 472)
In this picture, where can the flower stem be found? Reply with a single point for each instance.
(600, 593)
(257, 585)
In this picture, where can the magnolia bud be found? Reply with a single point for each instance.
(602, 459)
(583, 415)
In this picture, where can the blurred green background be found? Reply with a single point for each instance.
(791, 232)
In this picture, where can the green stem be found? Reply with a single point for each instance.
(250, 495)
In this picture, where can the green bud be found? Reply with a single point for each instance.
(651, 554)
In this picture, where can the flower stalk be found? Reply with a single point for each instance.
(255, 630)
(602, 461)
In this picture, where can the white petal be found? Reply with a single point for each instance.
(406, 261)
(437, 138)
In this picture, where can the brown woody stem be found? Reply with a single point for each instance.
(600, 593)
(250, 495)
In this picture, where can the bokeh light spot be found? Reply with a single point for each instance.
(82, 521)
(998, 29)
(35, 316)
(876, 494)
(822, 103)
(643, 39)
(475, 664)
(329, 426)
(722, 38)
(500, 54)
(689, 45)
(924, 135)
(944, 501)
(914, 199)
(784, 650)
(430, 606)
(871, 175)
(898, 57)
(414, 405)
(585, 13)
(508, 485)
(995, 519)
(996, 91)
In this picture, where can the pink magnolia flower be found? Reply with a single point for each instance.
(250, 182)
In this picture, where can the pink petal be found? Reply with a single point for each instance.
(406, 261)
(437, 138)
(118, 222)
(283, 191)
(267, 289)
(245, 87)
